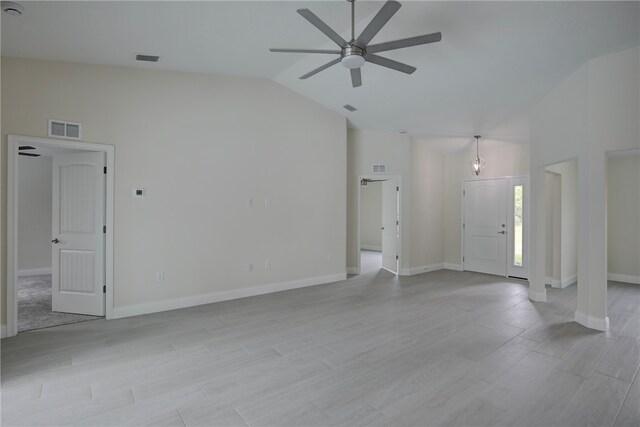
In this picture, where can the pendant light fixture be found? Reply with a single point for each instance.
(478, 163)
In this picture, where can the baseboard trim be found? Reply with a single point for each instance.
(538, 296)
(450, 266)
(592, 322)
(422, 269)
(174, 304)
(34, 272)
(371, 248)
(353, 270)
(554, 283)
(624, 278)
(568, 281)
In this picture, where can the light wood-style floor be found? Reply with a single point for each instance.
(443, 348)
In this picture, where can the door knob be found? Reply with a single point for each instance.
(502, 232)
(56, 241)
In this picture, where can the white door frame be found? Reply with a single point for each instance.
(400, 227)
(12, 215)
(525, 243)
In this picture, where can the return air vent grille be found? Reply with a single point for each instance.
(349, 107)
(379, 168)
(147, 58)
(62, 129)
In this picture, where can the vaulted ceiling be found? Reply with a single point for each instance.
(495, 61)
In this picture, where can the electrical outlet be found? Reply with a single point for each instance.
(250, 267)
(160, 276)
(267, 202)
(250, 202)
(267, 265)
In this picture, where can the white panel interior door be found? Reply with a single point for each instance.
(390, 225)
(78, 240)
(485, 226)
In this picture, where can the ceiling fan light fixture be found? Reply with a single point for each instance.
(352, 57)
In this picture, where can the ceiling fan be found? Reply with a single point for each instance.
(357, 51)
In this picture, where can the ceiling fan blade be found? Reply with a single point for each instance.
(356, 77)
(402, 43)
(388, 10)
(390, 63)
(319, 24)
(28, 154)
(336, 52)
(26, 147)
(317, 70)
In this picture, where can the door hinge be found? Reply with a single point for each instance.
(463, 225)
(397, 222)
(462, 259)
(397, 188)
(104, 229)
(464, 192)
(397, 257)
(104, 170)
(104, 289)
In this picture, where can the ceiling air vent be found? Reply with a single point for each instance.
(379, 168)
(349, 107)
(147, 58)
(62, 129)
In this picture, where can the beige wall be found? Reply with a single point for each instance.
(201, 146)
(34, 213)
(502, 159)
(365, 149)
(594, 111)
(371, 216)
(553, 227)
(623, 217)
(568, 172)
(427, 205)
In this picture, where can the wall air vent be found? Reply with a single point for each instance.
(379, 168)
(147, 58)
(349, 107)
(62, 129)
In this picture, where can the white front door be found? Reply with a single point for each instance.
(485, 226)
(78, 238)
(390, 225)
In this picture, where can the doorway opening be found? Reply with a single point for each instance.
(60, 237)
(561, 224)
(379, 225)
(494, 226)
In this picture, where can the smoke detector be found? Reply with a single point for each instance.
(11, 8)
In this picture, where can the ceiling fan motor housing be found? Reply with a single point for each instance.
(352, 56)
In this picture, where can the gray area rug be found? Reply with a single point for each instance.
(34, 305)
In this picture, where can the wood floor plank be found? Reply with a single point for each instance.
(441, 348)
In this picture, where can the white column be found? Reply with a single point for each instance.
(592, 241)
(537, 270)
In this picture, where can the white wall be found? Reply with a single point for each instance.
(502, 159)
(422, 170)
(623, 218)
(553, 228)
(568, 172)
(371, 216)
(364, 150)
(427, 206)
(34, 213)
(596, 110)
(201, 146)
